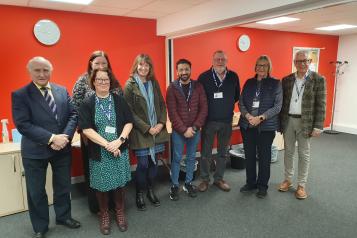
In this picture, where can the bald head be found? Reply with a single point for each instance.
(40, 70)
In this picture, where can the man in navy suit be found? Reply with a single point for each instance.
(45, 117)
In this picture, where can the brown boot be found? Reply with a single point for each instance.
(104, 220)
(119, 197)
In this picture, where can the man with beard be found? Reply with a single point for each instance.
(187, 108)
(222, 90)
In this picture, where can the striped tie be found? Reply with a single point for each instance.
(50, 101)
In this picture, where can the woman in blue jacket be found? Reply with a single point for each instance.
(260, 104)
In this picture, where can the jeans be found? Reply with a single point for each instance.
(178, 142)
(254, 140)
(224, 132)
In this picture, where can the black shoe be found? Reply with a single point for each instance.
(248, 188)
(70, 223)
(190, 190)
(140, 203)
(262, 193)
(152, 197)
(174, 193)
(39, 235)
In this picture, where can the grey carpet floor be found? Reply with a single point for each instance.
(329, 212)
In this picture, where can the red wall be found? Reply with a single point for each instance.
(277, 44)
(121, 37)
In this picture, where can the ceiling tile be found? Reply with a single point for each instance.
(105, 10)
(145, 14)
(55, 5)
(14, 2)
(167, 6)
(126, 4)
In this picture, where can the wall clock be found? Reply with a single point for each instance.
(47, 32)
(243, 42)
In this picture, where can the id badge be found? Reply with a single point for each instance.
(218, 95)
(110, 129)
(255, 104)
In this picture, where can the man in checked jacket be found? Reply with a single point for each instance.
(302, 117)
(187, 107)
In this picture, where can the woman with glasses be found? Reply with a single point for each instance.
(106, 120)
(259, 104)
(82, 90)
(142, 92)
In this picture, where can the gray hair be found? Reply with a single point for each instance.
(219, 52)
(302, 52)
(38, 59)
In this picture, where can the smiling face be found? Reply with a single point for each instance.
(99, 62)
(143, 69)
(101, 82)
(219, 62)
(40, 72)
(184, 72)
(262, 68)
(302, 63)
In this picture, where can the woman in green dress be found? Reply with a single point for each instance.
(106, 120)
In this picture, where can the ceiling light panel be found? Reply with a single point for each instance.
(336, 27)
(278, 20)
(81, 2)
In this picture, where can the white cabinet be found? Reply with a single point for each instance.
(13, 196)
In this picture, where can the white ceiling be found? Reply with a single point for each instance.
(152, 9)
(166, 10)
(334, 15)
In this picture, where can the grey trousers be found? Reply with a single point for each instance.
(224, 132)
(292, 134)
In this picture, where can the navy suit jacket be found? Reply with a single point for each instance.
(35, 121)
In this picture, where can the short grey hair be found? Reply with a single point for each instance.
(219, 52)
(38, 59)
(301, 52)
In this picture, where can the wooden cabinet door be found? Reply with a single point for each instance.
(11, 199)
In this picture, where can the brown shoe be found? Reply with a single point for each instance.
(221, 184)
(121, 220)
(300, 193)
(104, 223)
(203, 186)
(284, 186)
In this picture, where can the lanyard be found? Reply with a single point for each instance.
(189, 91)
(107, 111)
(216, 81)
(298, 92)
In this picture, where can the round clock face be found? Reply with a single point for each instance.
(244, 42)
(47, 32)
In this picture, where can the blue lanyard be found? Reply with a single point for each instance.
(107, 111)
(218, 80)
(298, 92)
(189, 91)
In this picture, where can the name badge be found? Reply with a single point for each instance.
(255, 104)
(110, 129)
(218, 95)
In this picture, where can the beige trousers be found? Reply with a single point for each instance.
(292, 134)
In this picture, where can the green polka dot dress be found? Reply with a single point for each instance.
(110, 172)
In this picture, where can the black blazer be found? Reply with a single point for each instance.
(35, 121)
(87, 120)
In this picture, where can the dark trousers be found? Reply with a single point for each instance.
(254, 141)
(146, 172)
(35, 174)
(209, 131)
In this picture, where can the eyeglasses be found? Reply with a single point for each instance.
(305, 61)
(102, 81)
(220, 59)
(262, 66)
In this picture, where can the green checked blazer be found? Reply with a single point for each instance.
(313, 105)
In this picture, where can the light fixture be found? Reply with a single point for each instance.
(278, 20)
(82, 2)
(335, 27)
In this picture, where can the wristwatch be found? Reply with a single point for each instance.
(122, 139)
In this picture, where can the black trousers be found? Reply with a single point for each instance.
(257, 141)
(35, 174)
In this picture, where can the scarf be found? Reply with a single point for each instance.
(149, 97)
